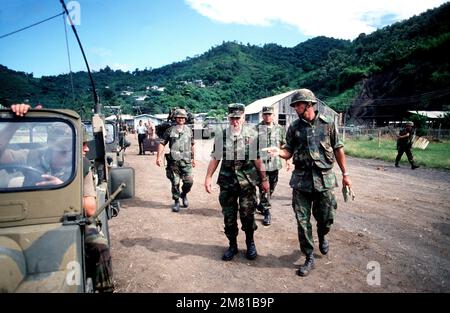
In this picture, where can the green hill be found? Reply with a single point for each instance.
(399, 67)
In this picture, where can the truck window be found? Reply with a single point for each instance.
(36, 154)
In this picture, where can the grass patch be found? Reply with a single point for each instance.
(436, 155)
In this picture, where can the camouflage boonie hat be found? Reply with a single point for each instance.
(267, 110)
(303, 95)
(236, 110)
(180, 113)
(409, 124)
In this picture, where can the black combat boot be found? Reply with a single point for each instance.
(185, 200)
(260, 209)
(414, 166)
(323, 244)
(307, 267)
(396, 165)
(251, 253)
(267, 218)
(176, 206)
(232, 250)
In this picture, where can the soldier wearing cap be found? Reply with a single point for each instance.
(404, 145)
(312, 140)
(180, 160)
(241, 171)
(270, 134)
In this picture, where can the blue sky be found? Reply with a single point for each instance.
(152, 33)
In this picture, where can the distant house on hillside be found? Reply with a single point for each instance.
(284, 114)
(140, 98)
(126, 93)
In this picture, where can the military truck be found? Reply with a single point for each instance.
(42, 223)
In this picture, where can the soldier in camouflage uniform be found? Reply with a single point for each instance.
(404, 145)
(270, 135)
(180, 160)
(313, 142)
(237, 147)
(98, 256)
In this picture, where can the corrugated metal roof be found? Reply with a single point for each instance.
(430, 114)
(124, 117)
(256, 107)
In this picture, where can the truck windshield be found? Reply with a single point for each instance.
(36, 154)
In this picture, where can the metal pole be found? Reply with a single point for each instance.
(97, 107)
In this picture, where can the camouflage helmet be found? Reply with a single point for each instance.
(60, 137)
(86, 135)
(180, 113)
(303, 95)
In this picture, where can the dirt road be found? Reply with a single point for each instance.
(400, 221)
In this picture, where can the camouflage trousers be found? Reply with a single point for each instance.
(323, 207)
(234, 199)
(408, 152)
(98, 260)
(177, 171)
(264, 198)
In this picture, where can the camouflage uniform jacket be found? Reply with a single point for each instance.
(312, 146)
(274, 136)
(405, 142)
(238, 154)
(180, 143)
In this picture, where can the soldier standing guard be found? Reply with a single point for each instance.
(270, 135)
(180, 160)
(237, 147)
(312, 140)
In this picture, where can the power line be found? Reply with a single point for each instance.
(24, 28)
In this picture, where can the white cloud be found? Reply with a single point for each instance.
(334, 18)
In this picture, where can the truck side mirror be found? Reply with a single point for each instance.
(119, 175)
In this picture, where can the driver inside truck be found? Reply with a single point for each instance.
(49, 164)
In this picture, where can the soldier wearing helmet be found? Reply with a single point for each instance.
(98, 256)
(313, 143)
(404, 145)
(49, 165)
(241, 171)
(180, 160)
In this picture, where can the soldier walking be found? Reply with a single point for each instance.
(404, 145)
(237, 147)
(270, 134)
(180, 160)
(312, 140)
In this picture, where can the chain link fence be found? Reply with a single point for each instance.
(353, 132)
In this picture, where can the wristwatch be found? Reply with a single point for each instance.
(345, 174)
